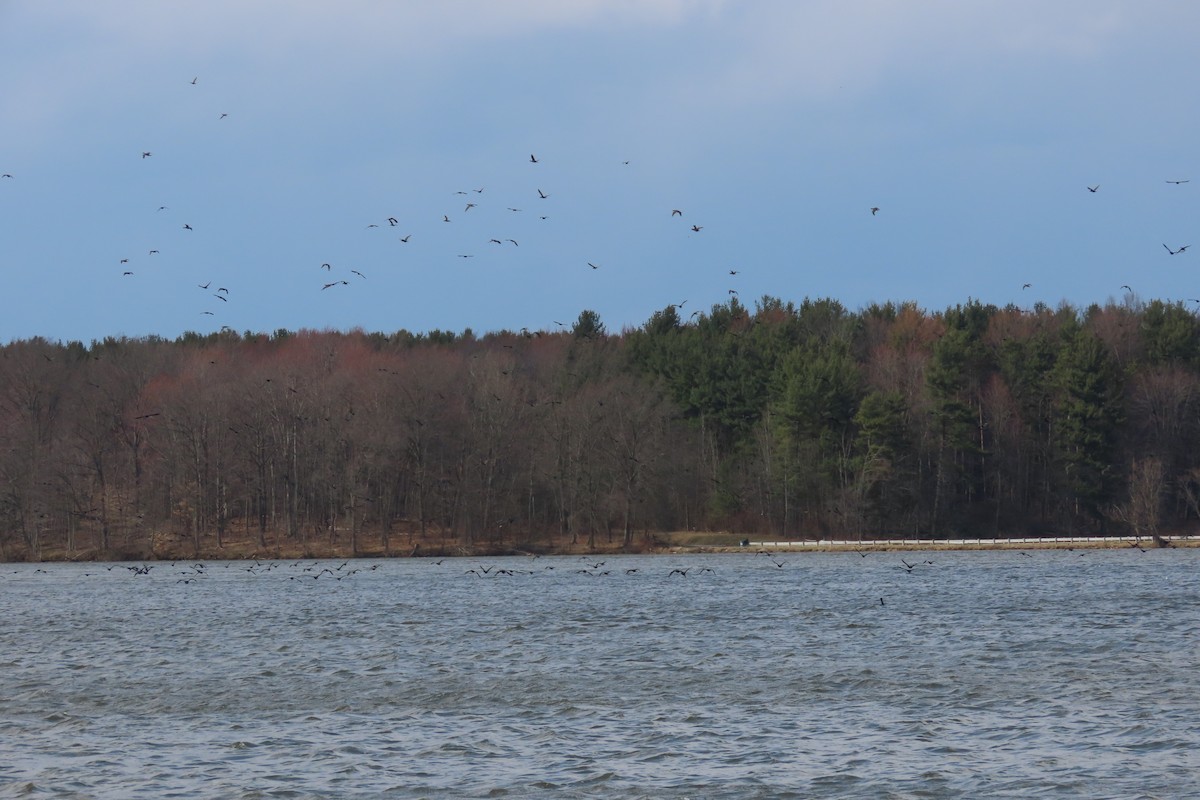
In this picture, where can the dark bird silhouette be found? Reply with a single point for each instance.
(195, 79)
(209, 313)
(204, 285)
(222, 289)
(359, 274)
(874, 210)
(696, 228)
(542, 194)
(469, 207)
(471, 255)
(326, 267)
(6, 175)
(146, 154)
(126, 272)
(1127, 287)
(593, 266)
(682, 572)
(1093, 189)
(532, 159)
(1026, 285)
(478, 191)
(675, 212)
(124, 260)
(1178, 182)
(445, 218)
(153, 252)
(221, 297)
(881, 602)
(1177, 251)
(733, 272)
(223, 116)
(495, 241)
(393, 221)
(405, 238)
(514, 241)
(187, 227)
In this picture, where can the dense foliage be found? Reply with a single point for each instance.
(783, 421)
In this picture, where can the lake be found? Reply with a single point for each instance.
(1051, 673)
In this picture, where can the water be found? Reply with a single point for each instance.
(1053, 674)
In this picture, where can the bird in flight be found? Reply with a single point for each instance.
(733, 272)
(124, 260)
(1178, 182)
(6, 175)
(187, 227)
(153, 252)
(195, 79)
(675, 212)
(222, 289)
(445, 218)
(405, 238)
(479, 190)
(359, 274)
(542, 194)
(696, 228)
(162, 208)
(1127, 287)
(223, 116)
(514, 241)
(1179, 250)
(532, 158)
(146, 154)
(221, 297)
(1026, 286)
(204, 285)
(393, 221)
(466, 256)
(874, 210)
(510, 208)
(126, 272)
(593, 266)
(1093, 189)
(469, 207)
(495, 241)
(325, 266)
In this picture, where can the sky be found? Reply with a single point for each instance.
(393, 141)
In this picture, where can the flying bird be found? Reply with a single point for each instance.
(1127, 287)
(733, 272)
(195, 79)
(126, 272)
(221, 297)
(675, 212)
(469, 207)
(542, 194)
(146, 154)
(532, 158)
(593, 266)
(1093, 188)
(153, 252)
(1178, 182)
(874, 210)
(6, 175)
(359, 274)
(696, 228)
(223, 116)
(445, 218)
(514, 241)
(204, 285)
(393, 221)
(405, 238)
(1180, 250)
(187, 227)
(325, 267)
(222, 289)
(124, 260)
(1026, 286)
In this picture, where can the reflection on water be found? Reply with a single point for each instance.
(1058, 673)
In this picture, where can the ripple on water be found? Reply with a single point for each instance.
(986, 674)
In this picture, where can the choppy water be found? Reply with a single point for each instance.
(1053, 674)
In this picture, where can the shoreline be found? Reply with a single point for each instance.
(670, 544)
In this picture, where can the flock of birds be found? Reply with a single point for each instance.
(473, 200)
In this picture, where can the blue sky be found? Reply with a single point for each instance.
(773, 125)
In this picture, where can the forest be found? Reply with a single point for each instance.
(793, 421)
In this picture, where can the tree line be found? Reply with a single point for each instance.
(785, 420)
